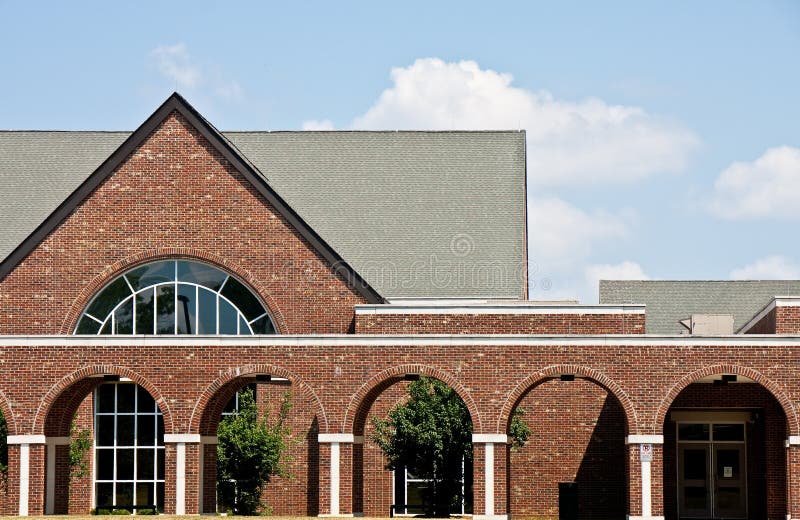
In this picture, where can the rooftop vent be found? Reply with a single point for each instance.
(709, 324)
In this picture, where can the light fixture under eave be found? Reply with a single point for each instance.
(411, 377)
(567, 377)
(263, 378)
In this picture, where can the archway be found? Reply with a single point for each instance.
(724, 446)
(298, 492)
(575, 459)
(377, 491)
(123, 419)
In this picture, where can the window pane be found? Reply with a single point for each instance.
(87, 326)
(105, 494)
(144, 312)
(160, 498)
(160, 464)
(166, 309)
(125, 430)
(125, 464)
(241, 296)
(146, 430)
(186, 309)
(263, 325)
(202, 274)
(105, 430)
(105, 464)
(125, 494)
(126, 395)
(114, 293)
(151, 274)
(244, 329)
(123, 318)
(146, 403)
(160, 431)
(729, 432)
(106, 330)
(207, 317)
(693, 432)
(144, 464)
(105, 398)
(227, 318)
(144, 495)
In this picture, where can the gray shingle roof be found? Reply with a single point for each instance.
(668, 302)
(395, 205)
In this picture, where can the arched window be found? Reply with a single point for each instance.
(175, 297)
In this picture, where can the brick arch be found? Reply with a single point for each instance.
(777, 392)
(218, 391)
(170, 253)
(369, 391)
(8, 413)
(548, 373)
(72, 389)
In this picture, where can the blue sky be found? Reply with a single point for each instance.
(663, 137)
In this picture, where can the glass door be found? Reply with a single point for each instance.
(712, 477)
(729, 482)
(694, 488)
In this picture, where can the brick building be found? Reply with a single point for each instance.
(149, 276)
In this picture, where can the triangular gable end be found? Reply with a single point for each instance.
(177, 103)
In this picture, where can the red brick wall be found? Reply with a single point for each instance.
(787, 320)
(577, 435)
(500, 323)
(174, 195)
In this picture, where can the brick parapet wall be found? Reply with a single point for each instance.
(787, 320)
(500, 323)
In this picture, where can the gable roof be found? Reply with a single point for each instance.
(175, 103)
(396, 206)
(668, 302)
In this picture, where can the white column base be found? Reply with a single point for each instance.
(488, 479)
(24, 477)
(629, 517)
(489, 517)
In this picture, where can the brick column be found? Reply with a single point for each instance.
(186, 450)
(207, 477)
(339, 473)
(492, 506)
(645, 455)
(30, 476)
(57, 482)
(793, 477)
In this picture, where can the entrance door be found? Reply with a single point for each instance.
(729, 483)
(694, 488)
(712, 479)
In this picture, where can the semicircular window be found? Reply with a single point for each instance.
(175, 297)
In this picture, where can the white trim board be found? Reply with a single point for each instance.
(404, 340)
(495, 308)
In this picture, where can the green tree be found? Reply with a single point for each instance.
(430, 434)
(3, 444)
(250, 452)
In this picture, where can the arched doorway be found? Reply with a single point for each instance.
(378, 491)
(298, 491)
(724, 450)
(575, 460)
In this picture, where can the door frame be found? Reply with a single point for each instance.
(711, 417)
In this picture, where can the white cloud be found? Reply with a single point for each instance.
(774, 267)
(569, 142)
(768, 187)
(562, 235)
(626, 270)
(314, 124)
(174, 63)
(230, 90)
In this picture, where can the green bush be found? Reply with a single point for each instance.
(120, 512)
(146, 512)
(101, 511)
(249, 453)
